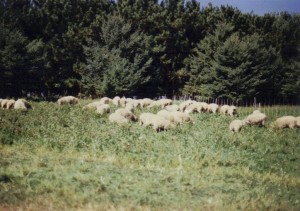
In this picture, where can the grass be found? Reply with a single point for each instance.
(67, 158)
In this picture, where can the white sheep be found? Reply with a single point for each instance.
(93, 105)
(3, 103)
(256, 119)
(22, 104)
(117, 118)
(158, 123)
(298, 121)
(172, 107)
(285, 121)
(146, 102)
(166, 114)
(103, 109)
(236, 125)
(185, 104)
(202, 107)
(213, 108)
(10, 104)
(161, 103)
(105, 100)
(126, 114)
(224, 109)
(116, 101)
(180, 117)
(232, 110)
(70, 100)
(256, 112)
(130, 107)
(192, 108)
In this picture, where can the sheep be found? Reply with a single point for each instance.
(285, 121)
(105, 100)
(158, 123)
(172, 107)
(185, 104)
(102, 109)
(126, 114)
(202, 107)
(93, 105)
(180, 117)
(130, 107)
(256, 119)
(298, 121)
(10, 104)
(117, 118)
(256, 112)
(3, 103)
(232, 110)
(224, 109)
(123, 102)
(145, 102)
(213, 108)
(166, 114)
(22, 104)
(70, 100)
(236, 125)
(196, 107)
(161, 103)
(116, 101)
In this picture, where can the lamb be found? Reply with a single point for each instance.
(126, 114)
(22, 104)
(256, 119)
(213, 108)
(236, 125)
(285, 121)
(102, 109)
(10, 104)
(3, 103)
(117, 118)
(68, 100)
(172, 107)
(116, 101)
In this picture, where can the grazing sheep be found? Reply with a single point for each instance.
(213, 108)
(166, 114)
(180, 117)
(158, 123)
(117, 118)
(285, 121)
(256, 119)
(196, 107)
(224, 109)
(130, 107)
(105, 100)
(172, 107)
(232, 110)
(116, 101)
(93, 105)
(161, 103)
(202, 107)
(236, 125)
(146, 102)
(123, 102)
(256, 112)
(145, 119)
(103, 109)
(10, 104)
(298, 121)
(185, 104)
(68, 100)
(22, 104)
(126, 114)
(3, 103)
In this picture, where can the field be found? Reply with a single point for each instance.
(67, 158)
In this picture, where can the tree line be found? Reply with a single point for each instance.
(146, 48)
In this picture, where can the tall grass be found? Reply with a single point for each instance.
(66, 158)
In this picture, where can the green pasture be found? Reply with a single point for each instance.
(65, 158)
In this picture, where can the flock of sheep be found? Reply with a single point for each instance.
(167, 118)
(173, 114)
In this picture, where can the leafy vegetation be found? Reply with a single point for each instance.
(146, 48)
(66, 158)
